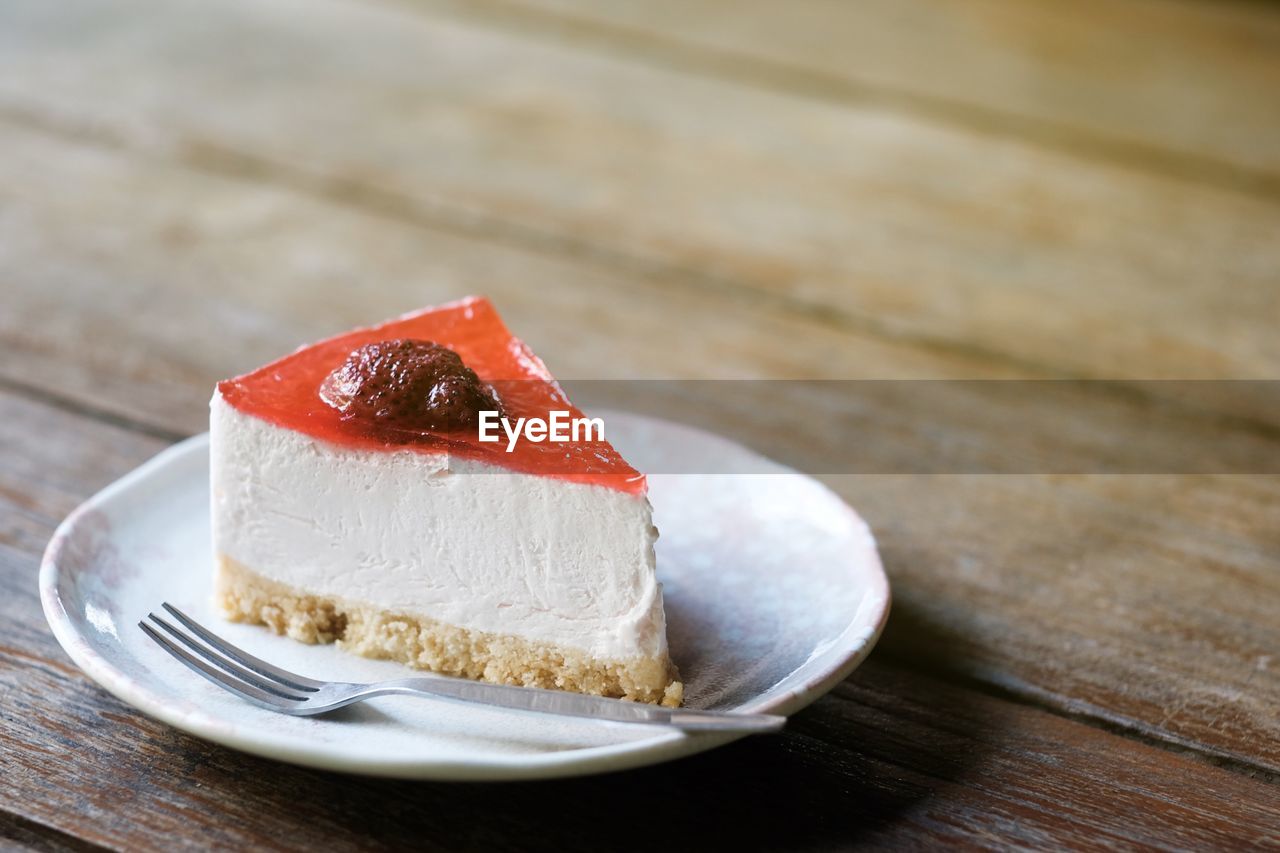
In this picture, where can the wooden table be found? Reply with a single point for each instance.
(810, 190)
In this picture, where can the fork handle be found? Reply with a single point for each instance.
(574, 704)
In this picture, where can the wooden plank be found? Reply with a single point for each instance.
(1184, 87)
(139, 309)
(1139, 601)
(892, 757)
(870, 220)
(19, 834)
(1142, 601)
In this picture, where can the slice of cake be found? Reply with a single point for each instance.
(354, 500)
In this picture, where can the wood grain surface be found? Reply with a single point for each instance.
(1143, 83)
(883, 222)
(690, 192)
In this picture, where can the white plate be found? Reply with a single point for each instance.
(773, 586)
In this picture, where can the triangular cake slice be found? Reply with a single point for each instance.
(354, 501)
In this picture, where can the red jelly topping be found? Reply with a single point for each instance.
(287, 393)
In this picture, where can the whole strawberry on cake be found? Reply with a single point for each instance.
(356, 500)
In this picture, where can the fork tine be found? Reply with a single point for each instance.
(228, 666)
(217, 676)
(288, 679)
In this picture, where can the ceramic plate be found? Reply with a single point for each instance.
(774, 593)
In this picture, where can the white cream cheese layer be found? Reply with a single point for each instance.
(465, 543)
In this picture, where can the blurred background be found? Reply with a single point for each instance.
(815, 190)
(695, 190)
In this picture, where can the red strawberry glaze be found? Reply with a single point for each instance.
(286, 393)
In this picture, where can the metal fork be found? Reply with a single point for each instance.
(287, 692)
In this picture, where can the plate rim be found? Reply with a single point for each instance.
(857, 641)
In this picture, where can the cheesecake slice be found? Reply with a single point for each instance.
(355, 501)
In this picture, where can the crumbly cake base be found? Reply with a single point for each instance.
(246, 596)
